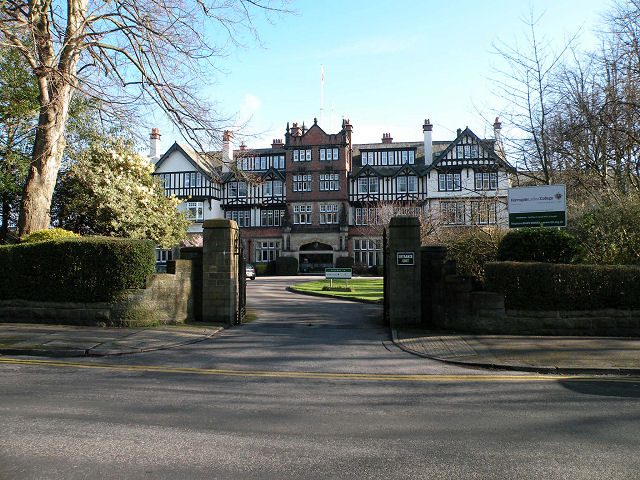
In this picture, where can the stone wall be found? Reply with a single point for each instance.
(167, 299)
(450, 302)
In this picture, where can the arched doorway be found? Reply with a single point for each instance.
(315, 257)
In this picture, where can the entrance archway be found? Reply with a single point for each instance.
(315, 257)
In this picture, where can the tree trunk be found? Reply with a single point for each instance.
(48, 148)
(4, 228)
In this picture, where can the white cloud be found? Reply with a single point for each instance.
(250, 107)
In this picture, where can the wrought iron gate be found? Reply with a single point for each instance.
(242, 285)
(385, 278)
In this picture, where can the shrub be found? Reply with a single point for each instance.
(360, 269)
(380, 270)
(286, 266)
(544, 286)
(609, 233)
(47, 234)
(327, 288)
(261, 268)
(470, 248)
(538, 245)
(90, 269)
(344, 262)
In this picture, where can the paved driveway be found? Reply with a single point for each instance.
(303, 333)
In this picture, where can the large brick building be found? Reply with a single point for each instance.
(317, 196)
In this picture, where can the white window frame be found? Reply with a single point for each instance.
(452, 182)
(267, 251)
(329, 213)
(302, 183)
(195, 211)
(303, 214)
(452, 212)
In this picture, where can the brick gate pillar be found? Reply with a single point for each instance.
(220, 247)
(405, 303)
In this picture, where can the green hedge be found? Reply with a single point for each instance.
(344, 262)
(286, 266)
(544, 286)
(537, 245)
(88, 269)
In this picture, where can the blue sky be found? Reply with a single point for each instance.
(388, 65)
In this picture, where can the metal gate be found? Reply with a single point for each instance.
(242, 285)
(385, 278)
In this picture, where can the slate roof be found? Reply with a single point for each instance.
(209, 163)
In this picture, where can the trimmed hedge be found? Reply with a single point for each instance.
(286, 266)
(537, 245)
(545, 286)
(88, 269)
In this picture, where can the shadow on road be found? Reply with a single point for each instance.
(605, 387)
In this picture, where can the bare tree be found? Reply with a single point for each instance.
(528, 81)
(595, 134)
(129, 54)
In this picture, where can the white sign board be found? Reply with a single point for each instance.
(337, 273)
(544, 205)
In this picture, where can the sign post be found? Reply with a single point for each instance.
(339, 274)
(540, 206)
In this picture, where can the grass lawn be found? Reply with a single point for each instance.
(368, 289)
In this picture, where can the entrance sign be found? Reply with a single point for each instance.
(332, 274)
(541, 206)
(337, 273)
(405, 258)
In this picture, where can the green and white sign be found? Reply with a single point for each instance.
(540, 206)
(337, 273)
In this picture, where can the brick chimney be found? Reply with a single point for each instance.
(296, 130)
(386, 138)
(227, 150)
(277, 143)
(499, 147)
(243, 147)
(427, 128)
(154, 145)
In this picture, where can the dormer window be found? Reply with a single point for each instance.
(389, 157)
(368, 185)
(407, 184)
(261, 163)
(237, 189)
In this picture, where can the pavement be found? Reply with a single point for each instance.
(77, 341)
(543, 354)
(529, 353)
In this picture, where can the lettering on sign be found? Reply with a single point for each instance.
(337, 273)
(404, 258)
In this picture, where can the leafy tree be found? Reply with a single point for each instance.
(18, 115)
(133, 55)
(109, 190)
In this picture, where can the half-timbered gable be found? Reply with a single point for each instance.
(187, 174)
(468, 167)
(195, 178)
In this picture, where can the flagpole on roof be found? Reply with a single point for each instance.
(321, 91)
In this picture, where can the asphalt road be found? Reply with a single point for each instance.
(312, 389)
